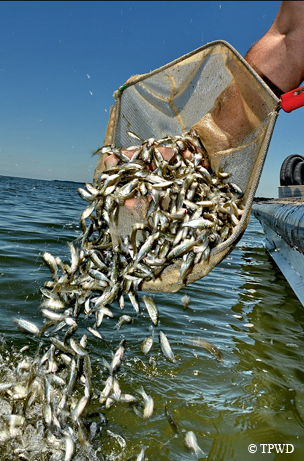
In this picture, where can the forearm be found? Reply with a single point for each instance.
(279, 54)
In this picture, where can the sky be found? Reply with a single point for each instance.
(61, 62)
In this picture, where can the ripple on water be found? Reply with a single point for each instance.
(254, 396)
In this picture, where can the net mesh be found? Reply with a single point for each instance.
(214, 91)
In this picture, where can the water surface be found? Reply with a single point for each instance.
(244, 307)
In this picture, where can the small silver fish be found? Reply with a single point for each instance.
(78, 410)
(52, 303)
(88, 211)
(141, 454)
(147, 344)
(78, 348)
(128, 398)
(148, 403)
(49, 314)
(27, 327)
(151, 308)
(209, 347)
(70, 449)
(165, 347)
(116, 362)
(51, 262)
(133, 135)
(191, 443)
(200, 223)
(134, 300)
(185, 301)
(107, 389)
(123, 319)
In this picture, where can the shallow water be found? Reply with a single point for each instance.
(244, 307)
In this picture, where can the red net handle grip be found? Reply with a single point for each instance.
(293, 99)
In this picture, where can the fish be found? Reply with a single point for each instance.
(147, 344)
(88, 211)
(133, 135)
(148, 403)
(86, 195)
(151, 308)
(141, 454)
(51, 262)
(128, 398)
(170, 420)
(199, 223)
(49, 314)
(96, 274)
(191, 443)
(27, 326)
(107, 389)
(191, 210)
(72, 377)
(186, 266)
(52, 303)
(165, 347)
(61, 346)
(96, 333)
(146, 247)
(185, 301)
(70, 449)
(78, 348)
(78, 410)
(122, 320)
(209, 347)
(134, 300)
(116, 362)
(181, 249)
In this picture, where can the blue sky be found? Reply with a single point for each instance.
(61, 62)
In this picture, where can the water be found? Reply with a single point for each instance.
(244, 307)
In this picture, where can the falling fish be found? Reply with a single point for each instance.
(151, 308)
(191, 443)
(209, 347)
(69, 449)
(147, 344)
(148, 403)
(185, 301)
(165, 347)
(116, 362)
(78, 348)
(133, 135)
(141, 454)
(171, 420)
(26, 326)
(80, 407)
(123, 319)
(51, 262)
(190, 211)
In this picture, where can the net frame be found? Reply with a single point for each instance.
(211, 68)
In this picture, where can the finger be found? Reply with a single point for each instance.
(187, 154)
(129, 152)
(112, 160)
(166, 152)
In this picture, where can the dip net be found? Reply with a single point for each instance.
(214, 92)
